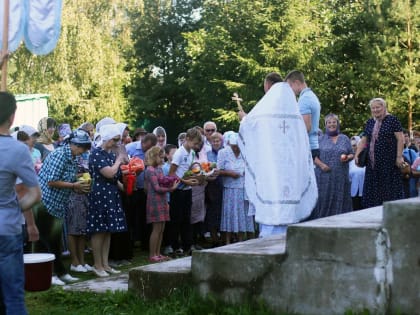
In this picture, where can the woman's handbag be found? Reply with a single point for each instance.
(362, 158)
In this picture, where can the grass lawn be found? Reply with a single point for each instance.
(185, 301)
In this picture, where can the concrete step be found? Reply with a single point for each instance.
(101, 285)
(236, 271)
(159, 280)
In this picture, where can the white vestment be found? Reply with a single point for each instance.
(279, 175)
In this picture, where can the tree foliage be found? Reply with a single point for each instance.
(84, 75)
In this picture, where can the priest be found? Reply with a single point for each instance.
(279, 176)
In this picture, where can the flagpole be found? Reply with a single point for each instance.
(5, 46)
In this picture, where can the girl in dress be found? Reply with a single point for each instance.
(157, 207)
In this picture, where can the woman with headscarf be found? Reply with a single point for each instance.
(105, 213)
(383, 136)
(45, 143)
(58, 178)
(160, 133)
(332, 171)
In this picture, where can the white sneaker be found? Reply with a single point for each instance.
(168, 250)
(68, 278)
(78, 268)
(112, 271)
(87, 267)
(100, 273)
(56, 281)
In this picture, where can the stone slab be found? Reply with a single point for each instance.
(234, 272)
(101, 285)
(402, 222)
(159, 280)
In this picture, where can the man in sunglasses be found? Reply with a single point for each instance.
(209, 128)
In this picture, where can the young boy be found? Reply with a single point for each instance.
(181, 199)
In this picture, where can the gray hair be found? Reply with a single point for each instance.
(208, 123)
(377, 100)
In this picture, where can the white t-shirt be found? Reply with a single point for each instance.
(183, 159)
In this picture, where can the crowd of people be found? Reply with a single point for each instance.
(279, 168)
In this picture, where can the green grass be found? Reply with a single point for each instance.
(184, 301)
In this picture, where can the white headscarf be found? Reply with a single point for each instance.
(97, 141)
(109, 131)
(121, 127)
(159, 130)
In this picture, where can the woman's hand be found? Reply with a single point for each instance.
(399, 161)
(324, 167)
(81, 187)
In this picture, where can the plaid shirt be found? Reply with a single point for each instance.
(59, 165)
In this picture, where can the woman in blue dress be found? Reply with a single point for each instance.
(383, 136)
(332, 171)
(105, 214)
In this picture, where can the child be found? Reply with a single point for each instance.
(170, 150)
(157, 207)
(181, 198)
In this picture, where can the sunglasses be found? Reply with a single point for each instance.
(210, 130)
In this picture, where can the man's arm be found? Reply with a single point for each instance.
(307, 118)
(31, 197)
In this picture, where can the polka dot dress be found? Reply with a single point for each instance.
(105, 212)
(383, 181)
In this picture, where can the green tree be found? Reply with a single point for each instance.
(84, 75)
(157, 91)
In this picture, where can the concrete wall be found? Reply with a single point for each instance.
(402, 222)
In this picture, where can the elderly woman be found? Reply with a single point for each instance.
(58, 178)
(214, 192)
(234, 218)
(384, 138)
(332, 171)
(105, 213)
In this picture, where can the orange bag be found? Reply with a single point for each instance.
(136, 165)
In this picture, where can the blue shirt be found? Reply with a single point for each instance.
(309, 105)
(15, 161)
(134, 149)
(59, 165)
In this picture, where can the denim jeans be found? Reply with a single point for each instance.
(12, 279)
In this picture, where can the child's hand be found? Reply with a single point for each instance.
(175, 185)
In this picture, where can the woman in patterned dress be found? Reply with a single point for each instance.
(383, 135)
(231, 166)
(105, 214)
(332, 171)
(157, 207)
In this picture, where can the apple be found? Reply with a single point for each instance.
(343, 157)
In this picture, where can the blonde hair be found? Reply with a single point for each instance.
(152, 156)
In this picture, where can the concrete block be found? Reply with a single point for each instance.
(402, 222)
(333, 264)
(235, 272)
(160, 280)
